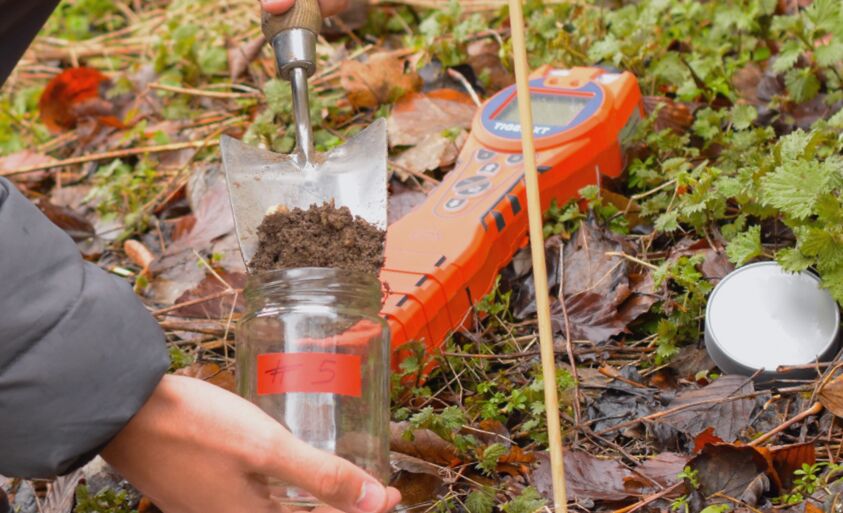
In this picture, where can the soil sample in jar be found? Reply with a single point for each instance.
(321, 236)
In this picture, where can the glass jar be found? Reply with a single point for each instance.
(313, 352)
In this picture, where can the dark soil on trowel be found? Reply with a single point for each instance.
(321, 236)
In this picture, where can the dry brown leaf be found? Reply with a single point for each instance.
(728, 468)
(661, 469)
(240, 56)
(210, 372)
(669, 113)
(423, 444)
(587, 477)
(705, 438)
(73, 223)
(417, 480)
(211, 218)
(831, 396)
(139, 254)
(23, 159)
(810, 507)
(433, 152)
(218, 308)
(422, 114)
(727, 416)
(383, 78)
(789, 458)
(74, 95)
(517, 455)
(484, 57)
(601, 295)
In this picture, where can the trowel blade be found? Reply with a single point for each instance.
(353, 175)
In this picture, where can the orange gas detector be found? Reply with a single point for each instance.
(443, 257)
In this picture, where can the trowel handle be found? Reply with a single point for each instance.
(305, 14)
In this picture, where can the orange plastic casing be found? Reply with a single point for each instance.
(444, 256)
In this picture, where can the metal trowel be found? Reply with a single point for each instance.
(353, 175)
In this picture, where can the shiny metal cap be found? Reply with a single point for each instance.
(761, 317)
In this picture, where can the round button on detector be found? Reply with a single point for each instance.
(489, 169)
(484, 154)
(515, 159)
(472, 186)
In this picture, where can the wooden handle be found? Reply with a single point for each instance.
(305, 14)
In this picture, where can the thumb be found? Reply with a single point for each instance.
(331, 479)
(277, 6)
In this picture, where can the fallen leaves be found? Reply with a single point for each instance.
(663, 469)
(240, 56)
(589, 478)
(484, 58)
(433, 152)
(433, 124)
(422, 443)
(214, 297)
(210, 372)
(722, 405)
(602, 294)
(790, 458)
(72, 222)
(139, 254)
(738, 465)
(24, 159)
(419, 115)
(831, 396)
(586, 477)
(211, 216)
(383, 78)
(74, 95)
(418, 480)
(736, 471)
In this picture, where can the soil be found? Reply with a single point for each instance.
(321, 236)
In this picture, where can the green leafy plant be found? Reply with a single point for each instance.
(480, 501)
(683, 312)
(106, 500)
(496, 302)
(529, 501)
(691, 476)
(681, 504)
(488, 460)
(716, 508)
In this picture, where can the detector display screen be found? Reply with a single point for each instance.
(548, 110)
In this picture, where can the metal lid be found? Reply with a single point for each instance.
(763, 317)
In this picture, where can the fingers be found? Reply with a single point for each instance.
(277, 6)
(329, 7)
(329, 478)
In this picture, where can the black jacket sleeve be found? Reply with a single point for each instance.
(79, 353)
(20, 20)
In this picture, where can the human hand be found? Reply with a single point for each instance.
(196, 448)
(329, 7)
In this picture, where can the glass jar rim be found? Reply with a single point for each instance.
(306, 284)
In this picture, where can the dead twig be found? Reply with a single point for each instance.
(201, 92)
(813, 410)
(197, 301)
(109, 155)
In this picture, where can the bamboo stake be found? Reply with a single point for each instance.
(534, 212)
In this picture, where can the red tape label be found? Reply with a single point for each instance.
(330, 373)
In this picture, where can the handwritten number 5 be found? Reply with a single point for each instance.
(327, 371)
